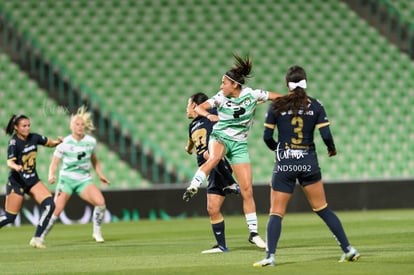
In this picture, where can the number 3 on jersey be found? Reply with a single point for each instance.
(298, 122)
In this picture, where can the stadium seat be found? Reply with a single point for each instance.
(145, 58)
(52, 120)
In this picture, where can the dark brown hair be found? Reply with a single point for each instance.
(14, 120)
(198, 98)
(297, 99)
(240, 70)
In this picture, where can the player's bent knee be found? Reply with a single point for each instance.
(213, 160)
(212, 211)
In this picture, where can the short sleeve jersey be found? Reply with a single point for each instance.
(297, 132)
(199, 132)
(24, 153)
(236, 114)
(76, 157)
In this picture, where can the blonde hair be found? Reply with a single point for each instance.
(86, 116)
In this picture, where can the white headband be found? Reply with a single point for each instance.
(294, 85)
(232, 79)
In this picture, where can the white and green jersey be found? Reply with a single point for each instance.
(236, 114)
(76, 157)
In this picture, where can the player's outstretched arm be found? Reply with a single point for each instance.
(54, 163)
(98, 168)
(53, 143)
(273, 96)
(202, 111)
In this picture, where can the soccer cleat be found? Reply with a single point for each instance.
(352, 256)
(189, 193)
(232, 189)
(254, 238)
(37, 242)
(265, 262)
(98, 237)
(216, 249)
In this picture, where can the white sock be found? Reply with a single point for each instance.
(251, 220)
(49, 226)
(198, 178)
(98, 216)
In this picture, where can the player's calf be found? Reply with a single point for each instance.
(7, 218)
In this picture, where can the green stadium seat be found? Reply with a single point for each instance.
(51, 120)
(153, 63)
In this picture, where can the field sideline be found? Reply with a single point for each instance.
(384, 238)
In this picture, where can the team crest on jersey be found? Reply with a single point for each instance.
(247, 102)
(12, 142)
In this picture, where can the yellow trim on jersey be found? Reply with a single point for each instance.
(271, 126)
(320, 125)
(49, 143)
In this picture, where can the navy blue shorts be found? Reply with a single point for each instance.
(296, 165)
(19, 186)
(216, 183)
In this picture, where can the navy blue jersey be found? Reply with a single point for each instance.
(199, 132)
(24, 152)
(297, 132)
(296, 157)
(221, 176)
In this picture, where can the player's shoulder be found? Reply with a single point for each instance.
(67, 138)
(13, 140)
(201, 122)
(33, 136)
(36, 138)
(247, 91)
(89, 138)
(254, 93)
(218, 96)
(66, 142)
(315, 101)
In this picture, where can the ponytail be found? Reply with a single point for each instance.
(240, 70)
(13, 121)
(297, 100)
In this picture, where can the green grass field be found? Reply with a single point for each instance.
(385, 240)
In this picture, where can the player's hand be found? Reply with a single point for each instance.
(189, 193)
(51, 179)
(104, 180)
(331, 153)
(59, 140)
